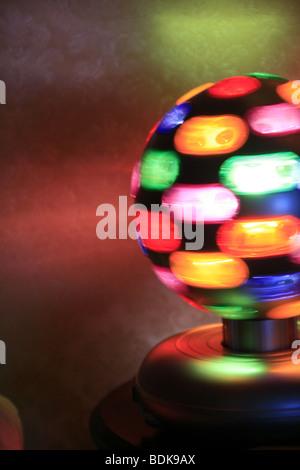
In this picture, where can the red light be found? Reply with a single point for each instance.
(152, 131)
(234, 87)
(158, 231)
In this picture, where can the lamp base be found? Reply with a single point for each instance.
(119, 423)
(192, 382)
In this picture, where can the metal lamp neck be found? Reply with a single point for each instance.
(257, 336)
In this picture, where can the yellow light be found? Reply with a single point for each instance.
(209, 270)
(195, 91)
(288, 310)
(260, 237)
(208, 135)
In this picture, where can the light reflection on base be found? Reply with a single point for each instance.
(190, 380)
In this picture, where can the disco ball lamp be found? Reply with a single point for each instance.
(232, 149)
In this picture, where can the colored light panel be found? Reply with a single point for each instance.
(228, 368)
(257, 238)
(234, 87)
(290, 91)
(274, 120)
(261, 174)
(193, 303)
(142, 246)
(264, 75)
(233, 312)
(158, 231)
(152, 132)
(135, 179)
(210, 203)
(211, 135)
(159, 169)
(195, 91)
(276, 287)
(295, 255)
(208, 270)
(173, 118)
(166, 276)
(288, 310)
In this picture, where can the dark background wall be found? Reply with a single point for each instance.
(86, 80)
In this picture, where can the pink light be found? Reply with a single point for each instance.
(275, 119)
(166, 276)
(135, 179)
(209, 203)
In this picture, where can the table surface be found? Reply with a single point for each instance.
(118, 423)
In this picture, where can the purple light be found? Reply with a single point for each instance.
(135, 179)
(275, 119)
(166, 276)
(209, 203)
(174, 118)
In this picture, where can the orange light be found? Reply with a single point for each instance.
(290, 91)
(195, 91)
(291, 309)
(256, 238)
(208, 270)
(207, 135)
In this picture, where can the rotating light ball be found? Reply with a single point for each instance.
(231, 148)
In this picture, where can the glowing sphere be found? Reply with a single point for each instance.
(225, 159)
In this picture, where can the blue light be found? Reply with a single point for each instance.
(277, 287)
(173, 118)
(144, 249)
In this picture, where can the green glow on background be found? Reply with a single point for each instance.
(211, 40)
(228, 368)
(246, 174)
(233, 312)
(159, 169)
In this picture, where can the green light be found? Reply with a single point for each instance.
(159, 169)
(261, 174)
(228, 368)
(233, 312)
(265, 75)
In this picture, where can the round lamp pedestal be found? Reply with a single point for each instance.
(205, 386)
(233, 384)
